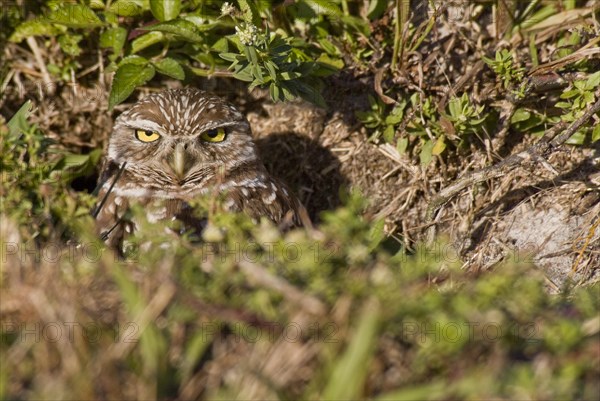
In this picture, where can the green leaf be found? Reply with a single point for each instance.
(315, 98)
(114, 38)
(439, 147)
(70, 44)
(34, 27)
(402, 145)
(244, 75)
(287, 95)
(578, 138)
(596, 133)
(520, 115)
(569, 94)
(229, 56)
(18, 124)
(376, 234)
(133, 59)
(180, 27)
(274, 92)
(170, 67)
(165, 10)
(563, 105)
(249, 12)
(271, 67)
(388, 134)
(79, 165)
(127, 78)
(221, 46)
(593, 81)
(201, 24)
(196, 347)
(127, 8)
(324, 7)
(75, 16)
(376, 9)
(287, 76)
(358, 24)
(426, 152)
(251, 54)
(350, 371)
(333, 63)
(146, 40)
(455, 107)
(329, 47)
(394, 118)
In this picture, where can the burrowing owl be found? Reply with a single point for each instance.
(174, 146)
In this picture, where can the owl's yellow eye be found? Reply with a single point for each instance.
(213, 135)
(146, 135)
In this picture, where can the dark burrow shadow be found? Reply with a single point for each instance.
(310, 169)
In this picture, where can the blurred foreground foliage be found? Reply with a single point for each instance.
(337, 312)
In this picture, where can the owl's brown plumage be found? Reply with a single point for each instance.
(177, 145)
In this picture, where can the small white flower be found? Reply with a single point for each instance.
(227, 9)
(247, 33)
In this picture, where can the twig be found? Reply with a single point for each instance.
(540, 149)
(97, 211)
(48, 84)
(263, 277)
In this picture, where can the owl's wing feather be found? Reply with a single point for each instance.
(110, 223)
(272, 199)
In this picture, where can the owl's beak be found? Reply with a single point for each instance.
(178, 161)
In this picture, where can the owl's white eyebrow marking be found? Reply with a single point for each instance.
(144, 124)
(216, 124)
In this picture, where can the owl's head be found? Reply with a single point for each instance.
(180, 138)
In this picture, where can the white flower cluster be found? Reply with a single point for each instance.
(227, 9)
(247, 33)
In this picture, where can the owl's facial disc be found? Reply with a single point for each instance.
(181, 139)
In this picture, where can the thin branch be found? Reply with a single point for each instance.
(97, 211)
